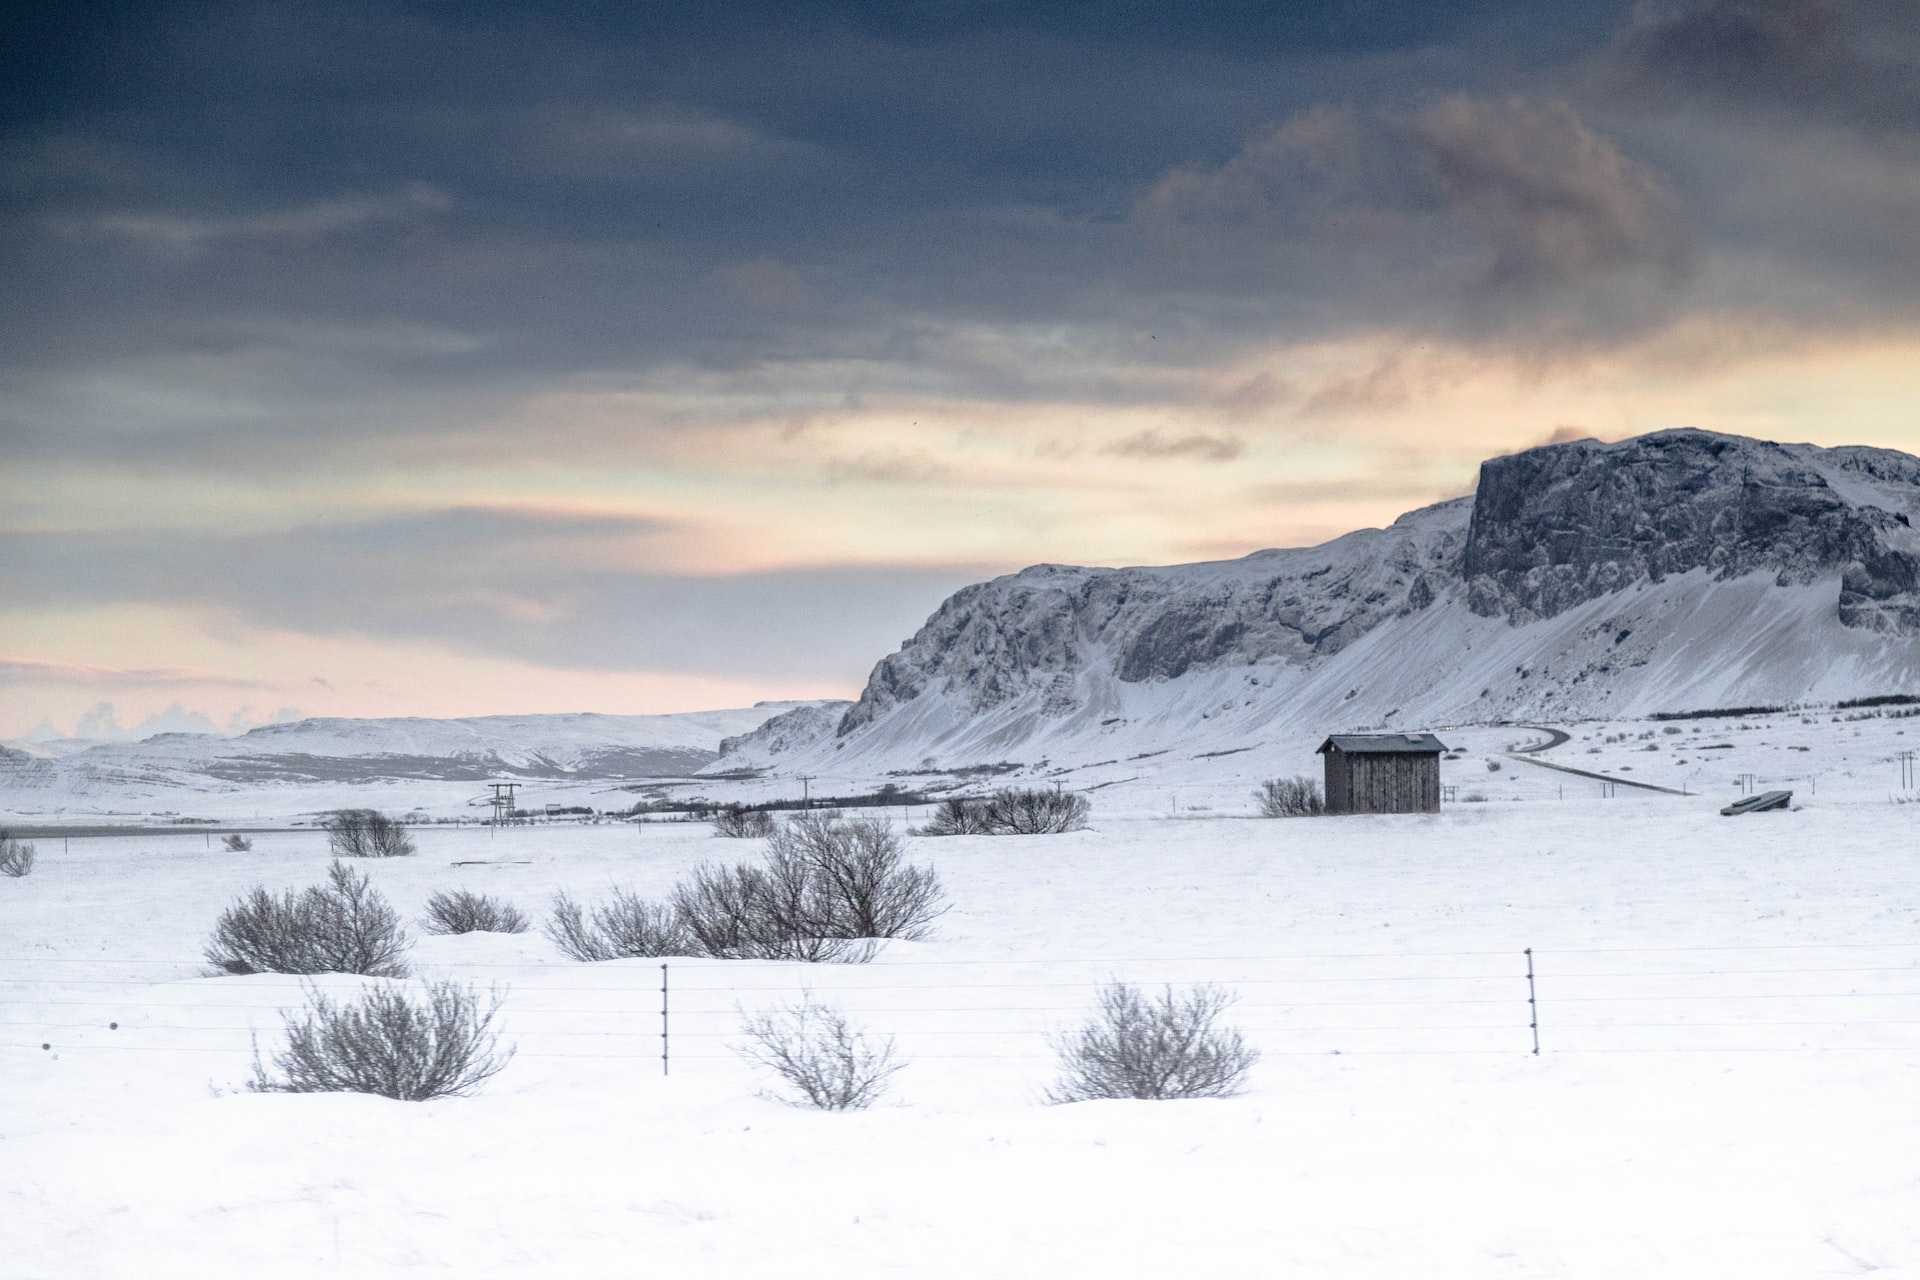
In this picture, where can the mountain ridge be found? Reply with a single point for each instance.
(1682, 568)
(579, 747)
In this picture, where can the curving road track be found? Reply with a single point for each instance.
(1554, 738)
(1558, 736)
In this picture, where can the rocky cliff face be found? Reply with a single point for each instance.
(1556, 527)
(1677, 569)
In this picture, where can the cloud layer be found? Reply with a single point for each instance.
(546, 590)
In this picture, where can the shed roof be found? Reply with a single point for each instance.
(1383, 743)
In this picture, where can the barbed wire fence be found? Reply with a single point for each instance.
(1861, 997)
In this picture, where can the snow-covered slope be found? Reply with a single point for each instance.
(1673, 571)
(578, 747)
(785, 733)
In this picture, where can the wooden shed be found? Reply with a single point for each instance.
(1383, 772)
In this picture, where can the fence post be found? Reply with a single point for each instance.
(663, 1020)
(1533, 1005)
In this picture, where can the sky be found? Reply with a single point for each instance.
(444, 359)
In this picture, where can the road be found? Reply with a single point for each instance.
(1554, 738)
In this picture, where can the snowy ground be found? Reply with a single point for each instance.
(1729, 1009)
(1851, 753)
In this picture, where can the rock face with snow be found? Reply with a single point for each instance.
(1681, 569)
(787, 732)
(1556, 527)
(1037, 630)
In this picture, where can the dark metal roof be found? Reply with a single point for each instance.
(1383, 744)
(1758, 804)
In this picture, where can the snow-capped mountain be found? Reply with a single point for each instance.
(582, 747)
(1672, 571)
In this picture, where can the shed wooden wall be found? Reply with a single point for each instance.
(1384, 782)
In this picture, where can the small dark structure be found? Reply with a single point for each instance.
(1383, 772)
(1762, 803)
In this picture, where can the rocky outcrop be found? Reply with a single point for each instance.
(1556, 527)
(801, 727)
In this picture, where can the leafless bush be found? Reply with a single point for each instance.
(731, 912)
(1136, 1046)
(858, 868)
(1493, 766)
(464, 911)
(344, 926)
(822, 1058)
(16, 856)
(742, 823)
(238, 844)
(1297, 797)
(1037, 812)
(388, 1044)
(366, 833)
(829, 887)
(625, 927)
(745, 912)
(959, 816)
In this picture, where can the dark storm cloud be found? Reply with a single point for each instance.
(200, 201)
(1850, 61)
(1792, 131)
(1495, 208)
(550, 589)
(326, 234)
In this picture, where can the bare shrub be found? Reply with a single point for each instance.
(824, 1060)
(1036, 812)
(829, 887)
(745, 912)
(366, 833)
(1296, 797)
(16, 856)
(959, 816)
(386, 1043)
(344, 926)
(625, 927)
(1493, 766)
(728, 913)
(1136, 1046)
(237, 843)
(464, 911)
(858, 868)
(741, 823)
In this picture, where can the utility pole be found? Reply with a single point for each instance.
(502, 800)
(806, 791)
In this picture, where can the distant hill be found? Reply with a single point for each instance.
(583, 747)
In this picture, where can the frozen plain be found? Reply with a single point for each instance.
(1729, 1008)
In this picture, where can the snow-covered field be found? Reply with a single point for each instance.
(1729, 1019)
